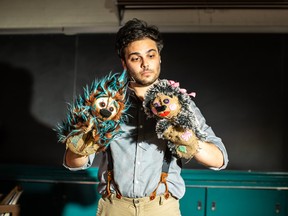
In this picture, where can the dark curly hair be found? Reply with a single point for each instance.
(134, 30)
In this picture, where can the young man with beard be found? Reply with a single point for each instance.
(137, 156)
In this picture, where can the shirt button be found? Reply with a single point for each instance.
(140, 126)
(138, 162)
(136, 182)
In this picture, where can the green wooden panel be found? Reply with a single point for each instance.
(193, 202)
(233, 178)
(74, 209)
(55, 199)
(59, 192)
(248, 202)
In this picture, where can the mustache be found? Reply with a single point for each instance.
(146, 70)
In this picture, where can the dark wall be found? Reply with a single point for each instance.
(238, 79)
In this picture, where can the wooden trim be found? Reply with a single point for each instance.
(123, 5)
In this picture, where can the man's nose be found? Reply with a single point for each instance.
(145, 64)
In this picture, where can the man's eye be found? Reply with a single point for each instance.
(166, 101)
(134, 59)
(156, 105)
(151, 56)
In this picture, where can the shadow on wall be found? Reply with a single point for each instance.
(24, 140)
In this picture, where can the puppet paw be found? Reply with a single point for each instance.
(185, 141)
(83, 144)
(161, 127)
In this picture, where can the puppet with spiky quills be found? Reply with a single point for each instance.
(94, 119)
(176, 120)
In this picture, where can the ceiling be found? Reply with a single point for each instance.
(105, 16)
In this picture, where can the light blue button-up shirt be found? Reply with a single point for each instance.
(138, 156)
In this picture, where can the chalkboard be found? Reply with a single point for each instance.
(238, 79)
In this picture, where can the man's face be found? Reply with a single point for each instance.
(142, 61)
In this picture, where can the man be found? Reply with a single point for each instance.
(137, 157)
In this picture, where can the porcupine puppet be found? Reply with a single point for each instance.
(94, 119)
(176, 120)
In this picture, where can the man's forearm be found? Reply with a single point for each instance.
(73, 160)
(209, 155)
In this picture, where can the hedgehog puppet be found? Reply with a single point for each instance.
(94, 119)
(176, 121)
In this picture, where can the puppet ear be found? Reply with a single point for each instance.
(121, 82)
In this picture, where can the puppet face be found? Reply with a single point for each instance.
(165, 106)
(106, 108)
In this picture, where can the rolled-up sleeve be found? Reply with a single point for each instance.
(210, 136)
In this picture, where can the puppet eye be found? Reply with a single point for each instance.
(156, 104)
(166, 101)
(113, 109)
(102, 104)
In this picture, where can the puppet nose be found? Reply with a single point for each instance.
(105, 113)
(161, 108)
